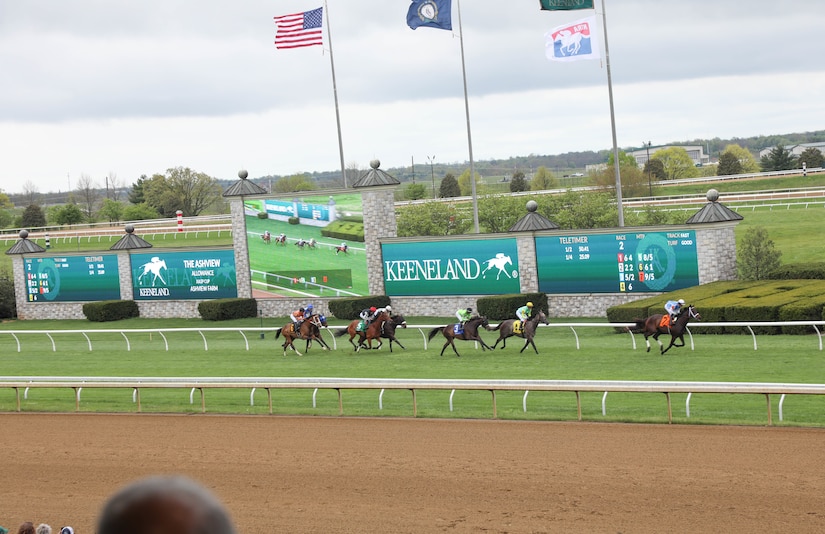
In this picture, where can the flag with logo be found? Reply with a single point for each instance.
(572, 41)
(565, 5)
(300, 29)
(430, 13)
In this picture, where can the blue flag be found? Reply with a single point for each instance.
(430, 13)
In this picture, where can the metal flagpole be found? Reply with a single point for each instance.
(335, 95)
(613, 122)
(467, 112)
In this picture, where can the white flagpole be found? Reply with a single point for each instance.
(613, 122)
(335, 95)
(467, 112)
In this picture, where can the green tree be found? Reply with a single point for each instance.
(68, 214)
(449, 187)
(543, 180)
(139, 212)
(654, 169)
(293, 184)
(464, 184)
(634, 181)
(745, 157)
(33, 217)
(111, 210)
(518, 183)
(5, 202)
(415, 191)
(8, 304)
(778, 159)
(812, 157)
(432, 218)
(136, 194)
(582, 210)
(728, 165)
(6, 219)
(676, 163)
(498, 213)
(756, 254)
(181, 189)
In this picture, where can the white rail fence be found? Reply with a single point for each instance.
(423, 329)
(577, 387)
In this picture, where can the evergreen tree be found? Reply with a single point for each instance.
(728, 165)
(33, 217)
(449, 187)
(812, 157)
(778, 159)
(518, 182)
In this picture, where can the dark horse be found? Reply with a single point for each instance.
(310, 330)
(528, 330)
(373, 331)
(470, 333)
(652, 327)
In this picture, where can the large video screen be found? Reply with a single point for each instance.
(307, 245)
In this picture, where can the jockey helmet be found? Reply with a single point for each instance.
(301, 310)
(309, 307)
(373, 308)
(529, 304)
(682, 302)
(469, 310)
(388, 308)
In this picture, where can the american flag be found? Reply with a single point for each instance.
(299, 29)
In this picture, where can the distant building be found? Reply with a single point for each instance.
(695, 152)
(795, 150)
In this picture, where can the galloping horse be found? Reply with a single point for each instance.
(309, 330)
(389, 330)
(500, 262)
(153, 266)
(652, 327)
(301, 243)
(470, 333)
(267, 237)
(341, 248)
(373, 331)
(280, 239)
(528, 330)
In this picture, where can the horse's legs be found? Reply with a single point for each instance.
(449, 342)
(529, 342)
(647, 342)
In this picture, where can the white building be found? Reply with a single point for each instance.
(696, 153)
(795, 150)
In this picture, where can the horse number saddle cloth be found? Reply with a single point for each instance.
(457, 329)
(517, 327)
(360, 327)
(665, 322)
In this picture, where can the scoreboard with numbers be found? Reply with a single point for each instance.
(72, 278)
(628, 262)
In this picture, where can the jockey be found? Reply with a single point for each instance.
(674, 308)
(297, 318)
(342, 248)
(524, 312)
(308, 311)
(386, 309)
(367, 315)
(464, 315)
(267, 235)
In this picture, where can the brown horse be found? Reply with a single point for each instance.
(528, 330)
(470, 333)
(310, 330)
(389, 330)
(651, 327)
(373, 331)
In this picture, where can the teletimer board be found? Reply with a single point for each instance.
(631, 262)
(72, 278)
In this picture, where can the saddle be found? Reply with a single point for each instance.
(457, 329)
(517, 327)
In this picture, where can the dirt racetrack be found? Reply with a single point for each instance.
(308, 474)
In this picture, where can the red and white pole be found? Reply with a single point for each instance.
(179, 213)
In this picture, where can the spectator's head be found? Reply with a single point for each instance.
(164, 505)
(26, 528)
(43, 528)
(67, 530)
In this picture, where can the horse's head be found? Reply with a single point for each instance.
(398, 320)
(693, 314)
(542, 317)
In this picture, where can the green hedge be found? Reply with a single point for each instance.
(110, 310)
(777, 300)
(799, 271)
(501, 307)
(349, 308)
(226, 309)
(344, 229)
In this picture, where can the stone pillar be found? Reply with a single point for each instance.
(716, 251)
(528, 267)
(239, 241)
(124, 268)
(379, 221)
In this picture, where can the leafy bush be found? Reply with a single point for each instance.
(349, 308)
(345, 229)
(110, 310)
(263, 215)
(294, 220)
(8, 304)
(226, 309)
(799, 271)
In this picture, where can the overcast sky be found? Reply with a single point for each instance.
(95, 87)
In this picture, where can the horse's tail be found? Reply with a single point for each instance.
(434, 331)
(278, 333)
(340, 332)
(640, 325)
(494, 328)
